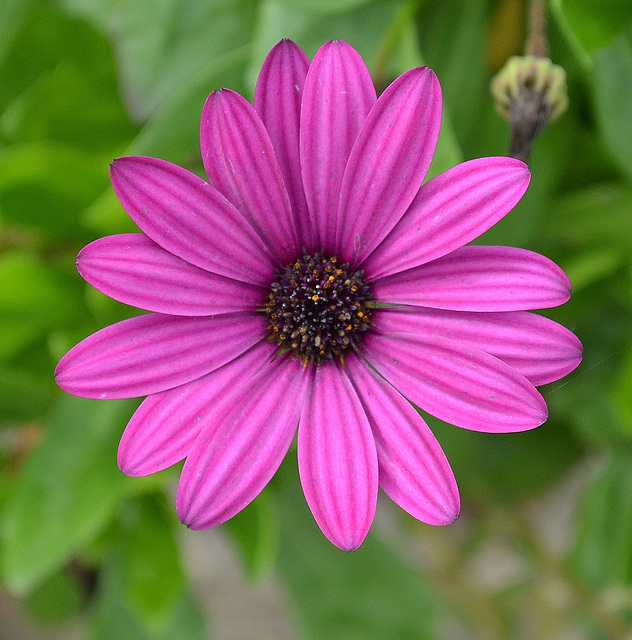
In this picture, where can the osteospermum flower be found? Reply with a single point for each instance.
(313, 283)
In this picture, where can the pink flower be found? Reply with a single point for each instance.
(311, 282)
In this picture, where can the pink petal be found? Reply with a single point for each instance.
(460, 385)
(414, 471)
(478, 278)
(165, 426)
(338, 95)
(190, 219)
(134, 270)
(388, 162)
(155, 352)
(539, 348)
(278, 102)
(450, 211)
(238, 452)
(240, 162)
(337, 459)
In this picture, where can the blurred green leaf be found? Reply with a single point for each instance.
(34, 298)
(622, 393)
(152, 575)
(592, 266)
(451, 36)
(46, 187)
(13, 13)
(369, 594)
(309, 27)
(24, 394)
(117, 617)
(613, 98)
(506, 467)
(173, 131)
(255, 531)
(57, 599)
(65, 493)
(161, 46)
(595, 24)
(71, 106)
(602, 552)
(598, 214)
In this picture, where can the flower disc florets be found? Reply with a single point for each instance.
(317, 308)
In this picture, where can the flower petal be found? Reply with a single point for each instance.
(278, 102)
(388, 162)
(247, 437)
(337, 459)
(338, 95)
(165, 426)
(414, 471)
(133, 269)
(155, 352)
(462, 386)
(240, 163)
(478, 278)
(449, 211)
(190, 219)
(539, 348)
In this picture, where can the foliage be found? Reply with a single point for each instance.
(84, 81)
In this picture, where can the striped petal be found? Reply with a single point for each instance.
(539, 348)
(478, 278)
(388, 162)
(338, 95)
(414, 471)
(241, 164)
(278, 102)
(133, 269)
(190, 219)
(155, 352)
(449, 211)
(165, 426)
(337, 459)
(462, 386)
(243, 445)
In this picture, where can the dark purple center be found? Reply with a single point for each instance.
(317, 309)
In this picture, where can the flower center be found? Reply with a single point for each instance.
(317, 309)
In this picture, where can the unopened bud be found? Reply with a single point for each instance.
(530, 92)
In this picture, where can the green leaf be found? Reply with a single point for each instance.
(370, 594)
(34, 299)
(13, 13)
(602, 553)
(158, 56)
(152, 575)
(45, 187)
(595, 24)
(596, 215)
(72, 106)
(24, 393)
(57, 599)
(255, 531)
(117, 617)
(505, 467)
(622, 394)
(309, 27)
(66, 491)
(450, 36)
(613, 98)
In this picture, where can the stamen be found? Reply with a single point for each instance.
(318, 309)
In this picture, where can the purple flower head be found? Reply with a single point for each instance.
(312, 283)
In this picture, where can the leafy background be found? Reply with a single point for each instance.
(544, 545)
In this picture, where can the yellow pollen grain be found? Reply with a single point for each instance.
(315, 298)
